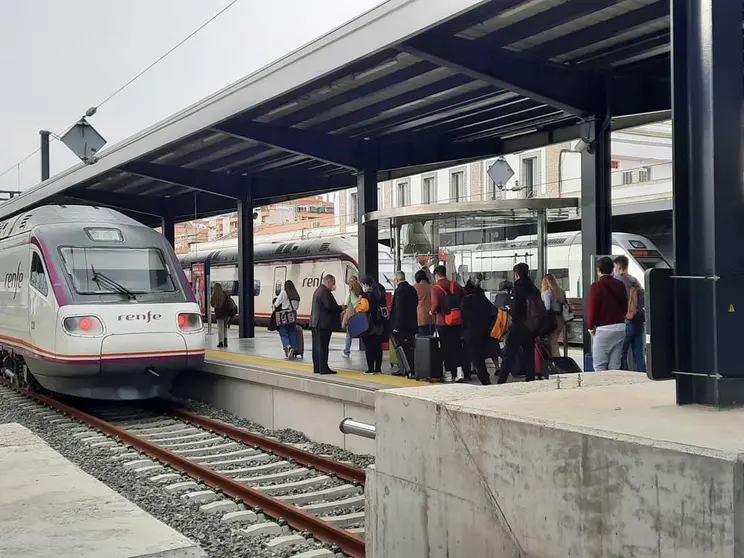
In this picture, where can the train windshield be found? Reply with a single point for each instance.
(139, 270)
(649, 259)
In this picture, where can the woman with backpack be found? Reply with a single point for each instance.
(223, 307)
(285, 307)
(372, 301)
(554, 298)
(352, 299)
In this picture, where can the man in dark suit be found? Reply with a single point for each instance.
(325, 317)
(404, 319)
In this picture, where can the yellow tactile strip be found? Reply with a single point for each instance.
(307, 368)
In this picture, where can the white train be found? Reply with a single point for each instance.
(94, 304)
(304, 262)
(564, 258)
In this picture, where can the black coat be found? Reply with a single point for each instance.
(523, 289)
(325, 313)
(403, 316)
(477, 315)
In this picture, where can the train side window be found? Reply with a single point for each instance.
(38, 276)
(256, 287)
(350, 272)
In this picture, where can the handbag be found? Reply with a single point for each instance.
(566, 312)
(359, 324)
(285, 317)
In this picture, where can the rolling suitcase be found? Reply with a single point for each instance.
(393, 355)
(398, 351)
(300, 350)
(427, 360)
(565, 365)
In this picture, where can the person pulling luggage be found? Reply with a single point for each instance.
(285, 308)
(404, 322)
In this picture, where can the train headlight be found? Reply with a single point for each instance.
(188, 322)
(83, 325)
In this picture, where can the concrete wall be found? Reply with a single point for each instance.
(607, 470)
(278, 400)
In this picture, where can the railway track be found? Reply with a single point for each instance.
(261, 487)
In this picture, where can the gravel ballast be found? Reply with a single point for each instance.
(286, 436)
(216, 538)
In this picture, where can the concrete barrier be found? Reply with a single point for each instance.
(284, 399)
(610, 468)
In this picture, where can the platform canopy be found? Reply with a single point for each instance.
(408, 86)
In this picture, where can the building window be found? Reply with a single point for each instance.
(353, 208)
(429, 189)
(528, 176)
(457, 186)
(628, 177)
(403, 194)
(380, 199)
(644, 175)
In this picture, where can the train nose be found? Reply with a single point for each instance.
(142, 352)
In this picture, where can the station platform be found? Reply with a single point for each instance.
(609, 466)
(51, 508)
(252, 379)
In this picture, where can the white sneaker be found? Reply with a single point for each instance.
(460, 375)
(447, 377)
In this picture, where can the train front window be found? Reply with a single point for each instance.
(649, 259)
(139, 270)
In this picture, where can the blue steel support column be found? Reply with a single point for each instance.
(369, 257)
(596, 203)
(709, 250)
(245, 266)
(168, 227)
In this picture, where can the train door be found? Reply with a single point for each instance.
(41, 309)
(280, 277)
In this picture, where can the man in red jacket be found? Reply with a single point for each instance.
(605, 320)
(446, 297)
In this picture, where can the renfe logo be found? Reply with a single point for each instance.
(14, 281)
(313, 282)
(147, 318)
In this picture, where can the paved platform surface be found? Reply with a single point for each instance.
(265, 350)
(51, 508)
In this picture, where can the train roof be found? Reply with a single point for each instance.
(62, 214)
(333, 246)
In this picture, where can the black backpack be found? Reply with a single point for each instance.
(537, 319)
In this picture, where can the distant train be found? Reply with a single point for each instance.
(94, 305)
(305, 262)
(496, 260)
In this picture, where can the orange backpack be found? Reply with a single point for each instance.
(451, 305)
(501, 325)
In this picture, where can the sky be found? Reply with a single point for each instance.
(58, 58)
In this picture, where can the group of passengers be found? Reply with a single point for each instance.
(463, 320)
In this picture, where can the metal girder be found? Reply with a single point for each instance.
(138, 204)
(567, 89)
(544, 20)
(197, 205)
(599, 31)
(573, 90)
(193, 179)
(344, 152)
(395, 155)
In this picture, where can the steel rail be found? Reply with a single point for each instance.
(341, 470)
(349, 543)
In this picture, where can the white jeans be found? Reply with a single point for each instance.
(607, 347)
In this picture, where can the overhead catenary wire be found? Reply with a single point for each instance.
(55, 136)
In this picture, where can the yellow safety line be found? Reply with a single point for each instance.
(306, 368)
